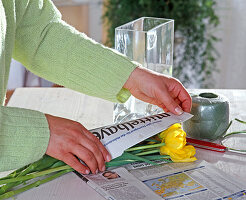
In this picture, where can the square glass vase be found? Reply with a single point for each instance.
(148, 41)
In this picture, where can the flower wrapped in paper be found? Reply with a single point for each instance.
(175, 145)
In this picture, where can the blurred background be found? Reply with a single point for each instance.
(210, 42)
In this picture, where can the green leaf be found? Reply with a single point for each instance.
(35, 175)
(43, 163)
(127, 158)
(35, 184)
(118, 163)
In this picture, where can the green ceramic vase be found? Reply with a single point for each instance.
(211, 116)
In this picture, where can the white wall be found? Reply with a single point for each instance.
(232, 48)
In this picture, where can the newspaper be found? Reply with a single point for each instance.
(194, 181)
(119, 137)
(183, 181)
(119, 184)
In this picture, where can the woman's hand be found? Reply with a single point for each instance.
(69, 139)
(158, 89)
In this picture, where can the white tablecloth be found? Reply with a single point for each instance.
(93, 112)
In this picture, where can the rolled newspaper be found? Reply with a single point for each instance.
(119, 137)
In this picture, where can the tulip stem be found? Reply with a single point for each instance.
(145, 147)
(148, 152)
(224, 134)
(241, 121)
(34, 175)
(156, 157)
(152, 140)
(234, 133)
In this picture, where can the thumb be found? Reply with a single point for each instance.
(170, 104)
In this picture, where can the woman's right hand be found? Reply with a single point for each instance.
(69, 139)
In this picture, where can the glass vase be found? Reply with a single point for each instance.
(148, 41)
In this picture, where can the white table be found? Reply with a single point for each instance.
(93, 112)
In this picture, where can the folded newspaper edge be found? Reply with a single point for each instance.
(119, 137)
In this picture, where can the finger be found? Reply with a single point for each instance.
(161, 105)
(164, 107)
(185, 99)
(169, 102)
(177, 101)
(94, 148)
(86, 156)
(186, 105)
(72, 161)
(104, 151)
(177, 90)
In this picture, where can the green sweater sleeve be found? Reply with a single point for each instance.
(24, 137)
(52, 49)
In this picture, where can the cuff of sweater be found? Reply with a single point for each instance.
(24, 137)
(123, 95)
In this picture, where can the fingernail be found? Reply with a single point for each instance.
(103, 168)
(178, 110)
(87, 171)
(108, 158)
(96, 171)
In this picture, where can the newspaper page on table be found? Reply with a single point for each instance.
(185, 181)
(119, 184)
(181, 181)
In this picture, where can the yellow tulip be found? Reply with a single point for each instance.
(170, 129)
(179, 155)
(174, 137)
(175, 145)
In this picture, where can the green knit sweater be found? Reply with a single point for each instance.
(33, 33)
